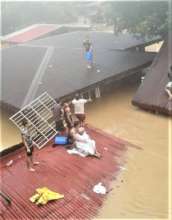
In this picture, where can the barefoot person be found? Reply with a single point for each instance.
(27, 141)
(88, 53)
(83, 145)
(58, 114)
(68, 117)
(79, 110)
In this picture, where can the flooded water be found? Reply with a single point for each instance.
(9, 135)
(141, 189)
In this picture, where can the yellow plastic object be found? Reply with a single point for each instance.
(44, 195)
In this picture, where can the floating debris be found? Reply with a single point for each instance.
(85, 196)
(99, 189)
(9, 163)
(122, 168)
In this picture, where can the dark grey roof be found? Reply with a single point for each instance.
(151, 94)
(65, 73)
(19, 65)
(99, 40)
(69, 73)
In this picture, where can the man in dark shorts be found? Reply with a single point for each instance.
(58, 115)
(79, 108)
(28, 143)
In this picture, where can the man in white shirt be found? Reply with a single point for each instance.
(79, 108)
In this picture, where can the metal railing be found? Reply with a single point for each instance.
(37, 114)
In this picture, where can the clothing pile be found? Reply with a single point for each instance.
(44, 195)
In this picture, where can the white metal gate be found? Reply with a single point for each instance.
(39, 115)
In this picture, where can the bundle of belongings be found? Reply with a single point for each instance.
(45, 195)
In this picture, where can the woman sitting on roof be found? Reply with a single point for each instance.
(168, 87)
(84, 145)
(28, 143)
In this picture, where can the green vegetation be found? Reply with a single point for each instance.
(146, 18)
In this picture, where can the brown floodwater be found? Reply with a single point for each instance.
(141, 189)
(9, 134)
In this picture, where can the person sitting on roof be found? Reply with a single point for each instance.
(83, 144)
(88, 53)
(168, 87)
(28, 143)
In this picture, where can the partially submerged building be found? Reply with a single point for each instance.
(28, 71)
(57, 65)
(151, 94)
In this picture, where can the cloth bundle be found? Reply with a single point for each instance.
(44, 195)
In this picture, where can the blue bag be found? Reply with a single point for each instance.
(61, 140)
(89, 55)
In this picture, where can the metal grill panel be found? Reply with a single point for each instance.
(38, 114)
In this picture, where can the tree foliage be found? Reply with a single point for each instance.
(143, 17)
(146, 18)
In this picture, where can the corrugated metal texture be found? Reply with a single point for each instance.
(151, 94)
(67, 174)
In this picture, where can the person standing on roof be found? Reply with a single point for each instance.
(68, 117)
(28, 143)
(79, 110)
(58, 114)
(88, 53)
(168, 87)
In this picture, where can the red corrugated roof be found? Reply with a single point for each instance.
(31, 34)
(67, 174)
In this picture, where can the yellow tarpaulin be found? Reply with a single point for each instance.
(44, 195)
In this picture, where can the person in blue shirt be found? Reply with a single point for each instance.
(88, 53)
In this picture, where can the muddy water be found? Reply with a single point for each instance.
(141, 189)
(9, 135)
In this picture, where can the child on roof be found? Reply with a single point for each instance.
(88, 53)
